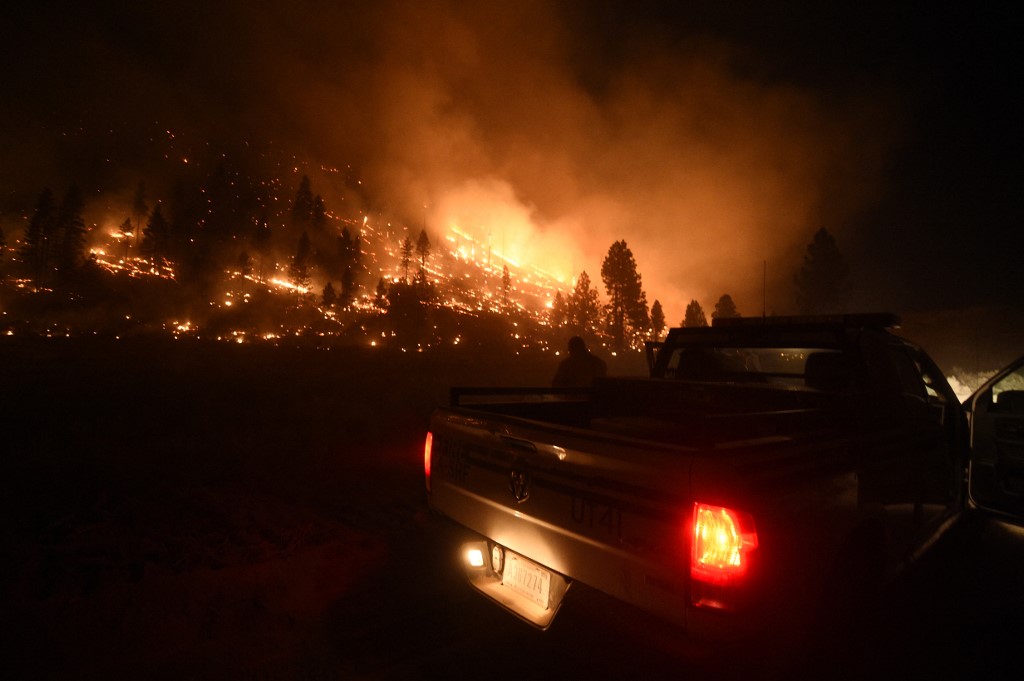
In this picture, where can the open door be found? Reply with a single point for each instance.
(995, 480)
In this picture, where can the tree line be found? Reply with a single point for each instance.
(199, 226)
(821, 287)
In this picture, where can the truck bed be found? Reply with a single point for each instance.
(672, 412)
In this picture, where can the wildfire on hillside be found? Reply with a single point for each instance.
(466, 273)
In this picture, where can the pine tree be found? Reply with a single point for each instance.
(156, 236)
(694, 315)
(423, 248)
(725, 308)
(126, 230)
(406, 257)
(348, 286)
(821, 283)
(583, 308)
(380, 299)
(657, 319)
(72, 231)
(349, 254)
(559, 310)
(627, 317)
(329, 296)
(38, 237)
(302, 208)
(318, 214)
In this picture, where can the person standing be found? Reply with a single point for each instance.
(580, 368)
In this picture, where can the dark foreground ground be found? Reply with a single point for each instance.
(178, 511)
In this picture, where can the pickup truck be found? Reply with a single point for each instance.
(763, 464)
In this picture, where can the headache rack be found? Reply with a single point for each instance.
(818, 330)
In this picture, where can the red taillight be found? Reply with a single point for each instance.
(722, 540)
(428, 445)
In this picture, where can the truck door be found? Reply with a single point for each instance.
(995, 480)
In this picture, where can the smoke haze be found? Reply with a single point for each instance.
(549, 129)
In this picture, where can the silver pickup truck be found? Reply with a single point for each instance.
(761, 465)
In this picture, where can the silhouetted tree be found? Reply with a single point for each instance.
(348, 286)
(725, 308)
(694, 315)
(37, 241)
(302, 207)
(298, 270)
(380, 299)
(559, 311)
(821, 283)
(318, 215)
(349, 256)
(583, 308)
(657, 319)
(72, 231)
(627, 305)
(329, 296)
(423, 248)
(156, 236)
(406, 257)
(126, 230)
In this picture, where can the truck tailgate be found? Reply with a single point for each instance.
(586, 508)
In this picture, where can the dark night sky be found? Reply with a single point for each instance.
(710, 135)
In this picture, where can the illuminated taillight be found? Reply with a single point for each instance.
(428, 445)
(722, 541)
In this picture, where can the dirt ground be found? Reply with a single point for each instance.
(189, 510)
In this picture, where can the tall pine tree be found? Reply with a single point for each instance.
(302, 207)
(72, 232)
(627, 317)
(657, 319)
(37, 241)
(725, 308)
(423, 248)
(583, 308)
(156, 237)
(694, 315)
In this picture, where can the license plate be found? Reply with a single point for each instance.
(527, 579)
